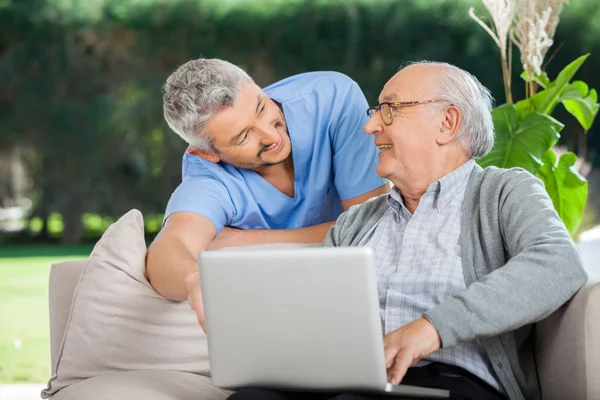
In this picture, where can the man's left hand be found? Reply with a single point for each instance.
(405, 346)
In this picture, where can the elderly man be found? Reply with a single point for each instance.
(467, 259)
(279, 163)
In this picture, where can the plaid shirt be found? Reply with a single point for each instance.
(418, 264)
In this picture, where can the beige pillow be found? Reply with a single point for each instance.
(118, 322)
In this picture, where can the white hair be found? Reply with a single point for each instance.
(465, 92)
(195, 92)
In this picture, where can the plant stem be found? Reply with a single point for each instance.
(509, 65)
(529, 89)
(527, 85)
(506, 78)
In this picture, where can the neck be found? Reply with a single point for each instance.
(416, 182)
(281, 176)
(282, 169)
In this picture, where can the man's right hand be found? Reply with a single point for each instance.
(195, 296)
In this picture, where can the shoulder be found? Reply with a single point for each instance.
(352, 224)
(505, 175)
(202, 179)
(494, 188)
(330, 84)
(509, 179)
(359, 214)
(494, 180)
(197, 168)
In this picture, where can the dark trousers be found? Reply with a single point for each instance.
(462, 386)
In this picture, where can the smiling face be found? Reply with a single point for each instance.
(410, 144)
(251, 134)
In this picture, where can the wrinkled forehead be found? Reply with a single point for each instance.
(411, 84)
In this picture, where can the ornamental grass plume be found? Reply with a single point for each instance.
(503, 14)
(530, 25)
(533, 34)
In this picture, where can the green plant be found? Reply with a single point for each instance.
(526, 131)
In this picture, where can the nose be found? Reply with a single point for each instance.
(373, 125)
(268, 134)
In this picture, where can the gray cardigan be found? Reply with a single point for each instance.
(519, 263)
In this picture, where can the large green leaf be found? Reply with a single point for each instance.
(581, 102)
(545, 101)
(521, 141)
(541, 79)
(566, 187)
(577, 98)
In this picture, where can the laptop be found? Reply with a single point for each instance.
(303, 319)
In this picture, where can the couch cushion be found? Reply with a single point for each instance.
(568, 347)
(64, 277)
(118, 322)
(144, 385)
(568, 341)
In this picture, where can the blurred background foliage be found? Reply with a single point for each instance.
(80, 84)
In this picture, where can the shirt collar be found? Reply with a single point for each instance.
(443, 190)
(453, 183)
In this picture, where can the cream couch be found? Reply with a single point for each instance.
(568, 347)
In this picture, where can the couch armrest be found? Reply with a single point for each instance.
(63, 281)
(568, 347)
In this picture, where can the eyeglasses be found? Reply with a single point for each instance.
(386, 108)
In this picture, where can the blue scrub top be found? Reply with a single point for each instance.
(334, 160)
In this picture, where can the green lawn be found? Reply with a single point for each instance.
(24, 332)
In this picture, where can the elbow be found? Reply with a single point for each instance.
(582, 277)
(150, 268)
(154, 272)
(578, 276)
(578, 280)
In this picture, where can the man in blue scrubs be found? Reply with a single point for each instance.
(277, 164)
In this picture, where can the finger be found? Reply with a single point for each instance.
(198, 309)
(195, 297)
(200, 314)
(401, 364)
(390, 355)
(390, 347)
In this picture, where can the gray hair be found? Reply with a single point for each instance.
(463, 90)
(195, 92)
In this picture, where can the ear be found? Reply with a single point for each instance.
(207, 155)
(449, 127)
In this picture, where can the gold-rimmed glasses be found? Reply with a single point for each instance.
(386, 108)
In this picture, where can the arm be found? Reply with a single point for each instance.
(230, 237)
(544, 271)
(172, 263)
(172, 257)
(346, 204)
(197, 210)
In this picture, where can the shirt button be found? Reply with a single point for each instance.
(406, 262)
(415, 226)
(395, 312)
